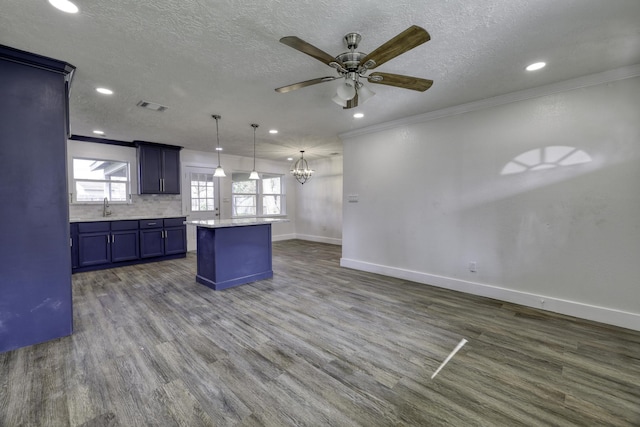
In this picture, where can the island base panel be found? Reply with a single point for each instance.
(233, 256)
(218, 286)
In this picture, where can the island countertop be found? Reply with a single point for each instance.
(237, 222)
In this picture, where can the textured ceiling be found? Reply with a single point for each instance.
(203, 57)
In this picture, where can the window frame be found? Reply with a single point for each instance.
(260, 195)
(74, 181)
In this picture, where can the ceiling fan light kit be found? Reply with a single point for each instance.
(339, 100)
(352, 67)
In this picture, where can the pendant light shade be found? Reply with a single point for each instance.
(219, 172)
(254, 174)
(300, 169)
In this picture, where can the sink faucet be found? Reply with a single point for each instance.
(105, 206)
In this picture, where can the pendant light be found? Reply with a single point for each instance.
(254, 174)
(300, 169)
(219, 173)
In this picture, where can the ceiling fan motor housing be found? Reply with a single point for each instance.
(350, 60)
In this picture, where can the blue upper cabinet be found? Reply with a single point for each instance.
(158, 168)
(35, 260)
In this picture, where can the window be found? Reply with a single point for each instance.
(245, 194)
(94, 180)
(271, 194)
(261, 197)
(202, 195)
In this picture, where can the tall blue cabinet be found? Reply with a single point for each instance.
(35, 260)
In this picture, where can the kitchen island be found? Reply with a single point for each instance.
(232, 252)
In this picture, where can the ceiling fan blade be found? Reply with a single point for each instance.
(309, 49)
(352, 103)
(403, 42)
(305, 83)
(398, 80)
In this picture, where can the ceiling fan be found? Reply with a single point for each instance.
(353, 66)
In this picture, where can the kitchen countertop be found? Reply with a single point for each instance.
(238, 222)
(127, 218)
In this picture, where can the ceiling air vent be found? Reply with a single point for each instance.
(151, 106)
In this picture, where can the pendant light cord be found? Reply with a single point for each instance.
(254, 146)
(218, 141)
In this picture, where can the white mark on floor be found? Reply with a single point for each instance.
(453, 353)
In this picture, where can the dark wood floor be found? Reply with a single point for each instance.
(316, 345)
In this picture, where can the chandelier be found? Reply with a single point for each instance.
(300, 169)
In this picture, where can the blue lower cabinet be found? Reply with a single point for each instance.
(93, 243)
(125, 245)
(175, 240)
(151, 242)
(106, 244)
(161, 237)
(94, 248)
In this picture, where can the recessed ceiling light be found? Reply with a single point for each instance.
(289, 158)
(273, 131)
(104, 91)
(218, 148)
(536, 66)
(98, 132)
(64, 5)
(358, 115)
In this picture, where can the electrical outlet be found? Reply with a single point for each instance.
(473, 266)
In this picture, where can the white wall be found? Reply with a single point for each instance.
(319, 203)
(566, 239)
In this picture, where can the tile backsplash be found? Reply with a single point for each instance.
(146, 206)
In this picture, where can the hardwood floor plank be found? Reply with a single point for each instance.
(315, 345)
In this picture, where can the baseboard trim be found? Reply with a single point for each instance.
(280, 237)
(319, 239)
(571, 308)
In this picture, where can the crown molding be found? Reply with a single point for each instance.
(563, 86)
